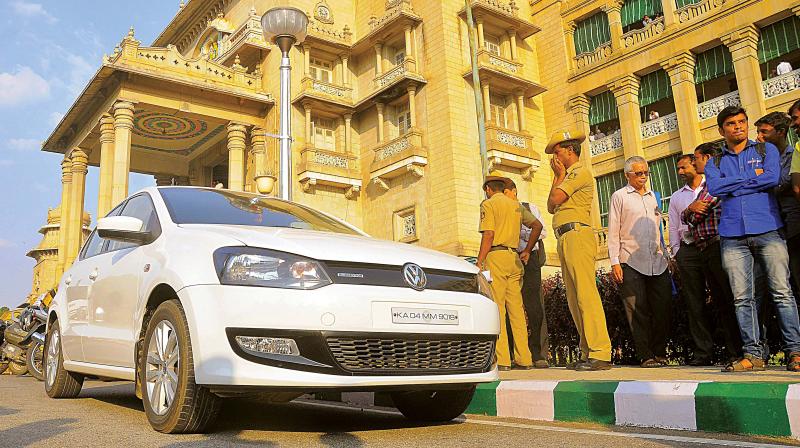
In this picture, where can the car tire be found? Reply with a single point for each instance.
(17, 369)
(433, 405)
(35, 360)
(58, 381)
(170, 368)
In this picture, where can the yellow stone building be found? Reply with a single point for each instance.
(384, 118)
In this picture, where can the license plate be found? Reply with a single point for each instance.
(424, 316)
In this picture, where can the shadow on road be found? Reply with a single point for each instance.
(118, 394)
(38, 431)
(7, 411)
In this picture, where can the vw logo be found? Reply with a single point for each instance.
(415, 277)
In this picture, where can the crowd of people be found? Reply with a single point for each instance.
(734, 232)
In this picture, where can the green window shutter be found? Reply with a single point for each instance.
(712, 64)
(779, 39)
(635, 10)
(664, 178)
(606, 186)
(654, 87)
(681, 3)
(591, 33)
(602, 108)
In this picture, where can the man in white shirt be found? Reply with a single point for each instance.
(783, 68)
(532, 299)
(638, 262)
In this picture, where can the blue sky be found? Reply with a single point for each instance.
(51, 50)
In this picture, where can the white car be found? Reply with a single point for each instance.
(197, 294)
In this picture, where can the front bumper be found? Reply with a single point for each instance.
(217, 313)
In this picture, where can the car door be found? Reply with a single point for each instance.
(117, 272)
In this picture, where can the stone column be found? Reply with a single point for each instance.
(408, 43)
(66, 202)
(520, 97)
(670, 18)
(306, 60)
(163, 180)
(106, 165)
(680, 69)
(743, 44)
(512, 39)
(259, 140)
(237, 135)
(412, 104)
(345, 71)
(75, 237)
(378, 59)
(309, 137)
(481, 38)
(487, 107)
(579, 105)
(626, 92)
(569, 37)
(615, 23)
(348, 133)
(123, 127)
(379, 106)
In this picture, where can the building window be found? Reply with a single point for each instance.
(323, 130)
(664, 178)
(591, 33)
(405, 225)
(403, 120)
(606, 186)
(499, 108)
(321, 70)
(492, 44)
(399, 57)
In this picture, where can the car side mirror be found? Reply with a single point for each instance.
(123, 228)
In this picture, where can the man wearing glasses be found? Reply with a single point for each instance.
(639, 263)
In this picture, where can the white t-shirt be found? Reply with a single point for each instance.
(783, 68)
(525, 232)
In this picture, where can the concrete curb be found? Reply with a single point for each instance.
(756, 408)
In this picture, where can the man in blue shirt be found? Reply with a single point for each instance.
(750, 230)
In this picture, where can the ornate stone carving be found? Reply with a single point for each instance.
(502, 63)
(330, 160)
(415, 170)
(388, 77)
(380, 183)
(308, 185)
(511, 139)
(689, 12)
(712, 107)
(606, 144)
(592, 57)
(782, 84)
(352, 192)
(328, 89)
(635, 37)
(322, 12)
(392, 149)
(409, 225)
(660, 126)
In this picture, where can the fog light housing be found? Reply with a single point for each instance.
(268, 346)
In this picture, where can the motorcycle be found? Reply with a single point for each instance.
(24, 339)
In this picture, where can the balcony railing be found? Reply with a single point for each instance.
(325, 167)
(690, 12)
(336, 92)
(589, 58)
(714, 106)
(492, 60)
(404, 154)
(660, 126)
(635, 37)
(407, 67)
(606, 144)
(601, 235)
(782, 84)
(249, 32)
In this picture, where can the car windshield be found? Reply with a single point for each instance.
(205, 206)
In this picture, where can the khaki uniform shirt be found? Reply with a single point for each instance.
(504, 216)
(579, 186)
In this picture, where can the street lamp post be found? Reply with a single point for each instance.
(285, 27)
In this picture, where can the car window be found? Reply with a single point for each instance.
(139, 206)
(92, 247)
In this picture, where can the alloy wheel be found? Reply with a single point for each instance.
(161, 370)
(53, 351)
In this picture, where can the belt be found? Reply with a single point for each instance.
(564, 228)
(500, 247)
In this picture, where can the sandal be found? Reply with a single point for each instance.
(748, 363)
(650, 363)
(794, 362)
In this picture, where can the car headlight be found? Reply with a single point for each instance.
(484, 287)
(247, 266)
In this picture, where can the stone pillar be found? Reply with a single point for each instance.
(412, 104)
(378, 59)
(306, 60)
(379, 106)
(579, 105)
(521, 110)
(66, 202)
(75, 237)
(259, 140)
(163, 180)
(106, 165)
(512, 39)
(670, 18)
(237, 134)
(309, 137)
(487, 107)
(569, 38)
(123, 127)
(680, 69)
(345, 71)
(408, 43)
(481, 38)
(626, 92)
(615, 23)
(743, 44)
(348, 133)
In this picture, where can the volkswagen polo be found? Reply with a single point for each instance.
(197, 294)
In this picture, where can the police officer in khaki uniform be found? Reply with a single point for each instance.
(501, 218)
(570, 201)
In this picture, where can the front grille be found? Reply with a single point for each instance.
(411, 355)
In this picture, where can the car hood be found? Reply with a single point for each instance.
(328, 246)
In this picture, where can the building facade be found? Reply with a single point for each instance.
(383, 108)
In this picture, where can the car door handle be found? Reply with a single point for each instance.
(68, 280)
(93, 275)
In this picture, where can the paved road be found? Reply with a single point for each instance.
(109, 415)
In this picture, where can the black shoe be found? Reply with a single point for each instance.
(574, 365)
(593, 365)
(700, 362)
(521, 367)
(504, 368)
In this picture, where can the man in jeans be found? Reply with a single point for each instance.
(750, 232)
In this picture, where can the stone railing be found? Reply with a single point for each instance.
(394, 8)
(660, 126)
(635, 37)
(690, 12)
(249, 32)
(491, 60)
(399, 156)
(315, 158)
(601, 235)
(507, 137)
(509, 7)
(327, 32)
(782, 84)
(393, 147)
(399, 71)
(589, 58)
(333, 90)
(713, 106)
(606, 144)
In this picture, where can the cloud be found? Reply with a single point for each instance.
(22, 86)
(32, 10)
(24, 144)
(6, 243)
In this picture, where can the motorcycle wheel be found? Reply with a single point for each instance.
(34, 359)
(3, 367)
(17, 369)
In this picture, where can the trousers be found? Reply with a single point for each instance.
(505, 268)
